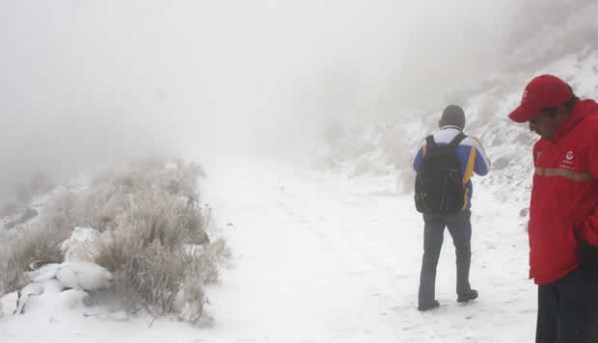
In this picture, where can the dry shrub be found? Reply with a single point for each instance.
(99, 207)
(39, 244)
(146, 276)
(190, 300)
(112, 192)
(155, 215)
(206, 263)
(60, 212)
(152, 240)
(155, 271)
(148, 253)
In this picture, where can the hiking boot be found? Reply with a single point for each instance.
(428, 305)
(465, 297)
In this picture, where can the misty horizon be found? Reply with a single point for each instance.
(88, 83)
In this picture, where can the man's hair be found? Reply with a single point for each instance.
(452, 115)
(570, 103)
(551, 111)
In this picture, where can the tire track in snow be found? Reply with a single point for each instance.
(355, 253)
(390, 284)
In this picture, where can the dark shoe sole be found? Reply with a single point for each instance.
(468, 297)
(427, 307)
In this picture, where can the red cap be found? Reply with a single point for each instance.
(543, 91)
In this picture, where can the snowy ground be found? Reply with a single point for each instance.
(324, 258)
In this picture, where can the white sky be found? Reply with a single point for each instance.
(90, 81)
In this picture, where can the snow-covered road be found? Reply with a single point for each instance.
(325, 258)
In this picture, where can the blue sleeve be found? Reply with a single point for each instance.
(417, 161)
(481, 166)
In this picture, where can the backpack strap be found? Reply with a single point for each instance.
(430, 141)
(430, 144)
(458, 138)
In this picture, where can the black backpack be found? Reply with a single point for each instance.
(439, 187)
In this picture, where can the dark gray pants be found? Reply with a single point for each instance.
(567, 309)
(459, 226)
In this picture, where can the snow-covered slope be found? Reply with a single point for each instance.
(388, 148)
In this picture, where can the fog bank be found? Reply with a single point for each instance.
(85, 83)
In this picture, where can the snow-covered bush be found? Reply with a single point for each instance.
(142, 223)
(147, 273)
(154, 254)
(30, 247)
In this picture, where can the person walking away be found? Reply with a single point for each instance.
(563, 216)
(445, 163)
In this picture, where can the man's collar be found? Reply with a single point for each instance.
(451, 127)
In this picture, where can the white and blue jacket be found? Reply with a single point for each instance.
(470, 152)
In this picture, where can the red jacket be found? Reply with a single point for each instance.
(564, 194)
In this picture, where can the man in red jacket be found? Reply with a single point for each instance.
(563, 224)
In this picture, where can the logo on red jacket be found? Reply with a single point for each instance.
(568, 160)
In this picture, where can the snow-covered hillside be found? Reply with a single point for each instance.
(388, 148)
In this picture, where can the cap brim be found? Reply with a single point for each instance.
(522, 114)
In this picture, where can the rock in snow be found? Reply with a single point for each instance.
(80, 247)
(86, 276)
(70, 281)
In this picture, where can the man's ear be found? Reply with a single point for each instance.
(558, 112)
(563, 110)
(551, 112)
